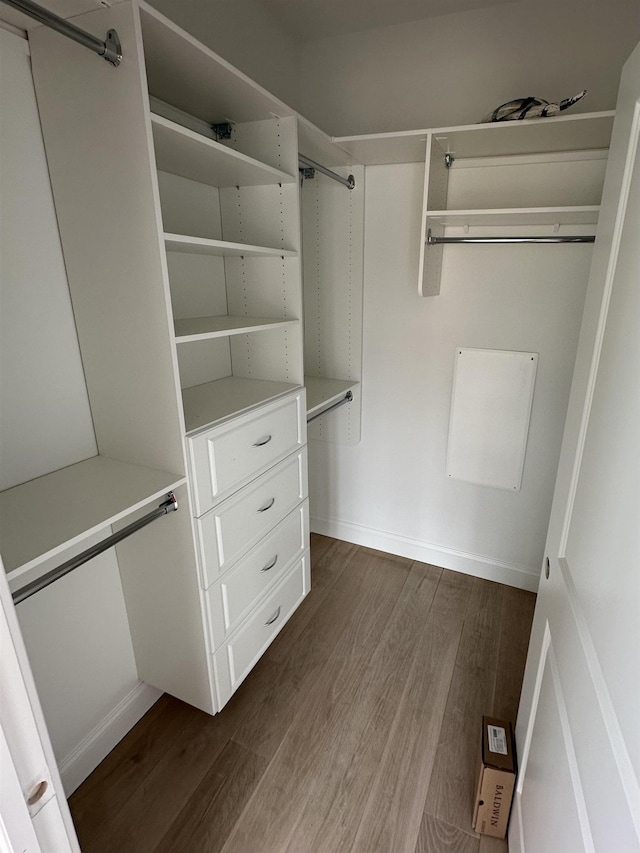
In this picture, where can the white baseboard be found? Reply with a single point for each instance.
(85, 757)
(426, 552)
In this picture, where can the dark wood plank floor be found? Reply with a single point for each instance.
(357, 732)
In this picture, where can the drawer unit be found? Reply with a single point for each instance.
(233, 527)
(228, 456)
(235, 659)
(241, 588)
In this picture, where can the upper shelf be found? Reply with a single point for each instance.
(183, 152)
(186, 74)
(577, 215)
(576, 132)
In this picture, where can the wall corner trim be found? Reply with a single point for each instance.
(92, 749)
(427, 552)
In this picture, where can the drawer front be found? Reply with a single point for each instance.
(234, 661)
(226, 457)
(233, 528)
(239, 589)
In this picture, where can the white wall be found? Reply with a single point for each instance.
(454, 69)
(247, 36)
(76, 631)
(391, 491)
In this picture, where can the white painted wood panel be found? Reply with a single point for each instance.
(572, 178)
(165, 611)
(106, 192)
(197, 284)
(333, 239)
(184, 152)
(184, 73)
(74, 630)
(45, 418)
(243, 586)
(234, 661)
(325, 392)
(490, 412)
(224, 248)
(42, 518)
(233, 527)
(31, 756)
(227, 457)
(204, 328)
(588, 594)
(560, 133)
(228, 396)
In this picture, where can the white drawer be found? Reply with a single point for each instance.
(226, 457)
(239, 589)
(234, 661)
(232, 528)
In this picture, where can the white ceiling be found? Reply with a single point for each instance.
(304, 20)
(307, 20)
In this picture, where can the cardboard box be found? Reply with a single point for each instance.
(497, 778)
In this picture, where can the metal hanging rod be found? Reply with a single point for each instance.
(308, 165)
(557, 238)
(170, 505)
(110, 49)
(348, 397)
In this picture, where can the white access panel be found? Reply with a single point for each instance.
(490, 412)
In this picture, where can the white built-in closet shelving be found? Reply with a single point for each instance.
(541, 175)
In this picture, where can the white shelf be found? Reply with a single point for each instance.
(183, 152)
(323, 392)
(44, 517)
(579, 215)
(573, 132)
(205, 328)
(188, 75)
(214, 401)
(222, 248)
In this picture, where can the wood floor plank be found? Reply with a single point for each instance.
(515, 629)
(205, 822)
(326, 569)
(341, 733)
(493, 845)
(271, 815)
(278, 686)
(98, 801)
(436, 836)
(142, 821)
(356, 745)
(452, 788)
(394, 810)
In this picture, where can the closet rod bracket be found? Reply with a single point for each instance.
(113, 48)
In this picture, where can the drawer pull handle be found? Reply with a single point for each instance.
(262, 442)
(273, 618)
(271, 564)
(267, 506)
